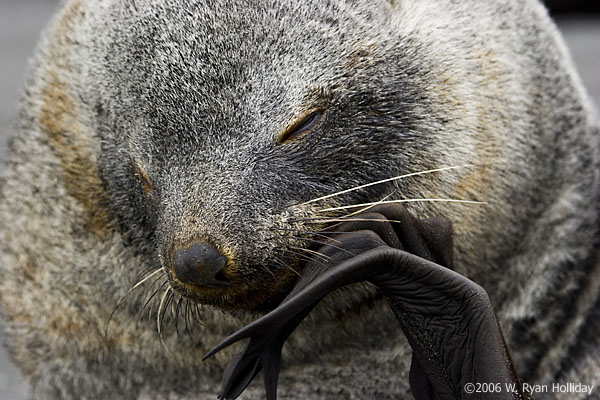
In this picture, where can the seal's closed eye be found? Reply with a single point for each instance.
(302, 127)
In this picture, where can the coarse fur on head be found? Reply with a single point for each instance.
(202, 119)
(148, 125)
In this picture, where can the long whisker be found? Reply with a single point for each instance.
(321, 242)
(147, 270)
(177, 309)
(168, 305)
(328, 238)
(389, 180)
(316, 253)
(297, 256)
(309, 233)
(187, 320)
(197, 315)
(268, 270)
(362, 210)
(158, 319)
(122, 299)
(371, 205)
(403, 201)
(151, 297)
(144, 280)
(286, 266)
(342, 219)
(342, 232)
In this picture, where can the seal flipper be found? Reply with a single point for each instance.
(448, 319)
(269, 333)
(238, 374)
(267, 336)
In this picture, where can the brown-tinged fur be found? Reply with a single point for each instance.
(79, 171)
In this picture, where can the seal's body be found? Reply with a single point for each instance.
(150, 126)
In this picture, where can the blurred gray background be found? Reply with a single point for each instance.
(21, 22)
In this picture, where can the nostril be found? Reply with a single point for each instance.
(200, 264)
(220, 276)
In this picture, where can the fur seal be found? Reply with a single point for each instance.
(157, 135)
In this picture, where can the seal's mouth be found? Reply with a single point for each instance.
(255, 290)
(206, 271)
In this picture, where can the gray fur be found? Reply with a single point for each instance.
(195, 93)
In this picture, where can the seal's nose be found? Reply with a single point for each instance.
(200, 264)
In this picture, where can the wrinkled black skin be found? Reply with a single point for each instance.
(448, 319)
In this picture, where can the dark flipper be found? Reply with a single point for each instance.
(268, 334)
(448, 320)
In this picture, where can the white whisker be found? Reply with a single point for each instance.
(403, 201)
(316, 253)
(158, 327)
(122, 299)
(144, 280)
(389, 180)
(369, 206)
(329, 220)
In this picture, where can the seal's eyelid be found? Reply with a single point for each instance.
(301, 127)
(144, 180)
